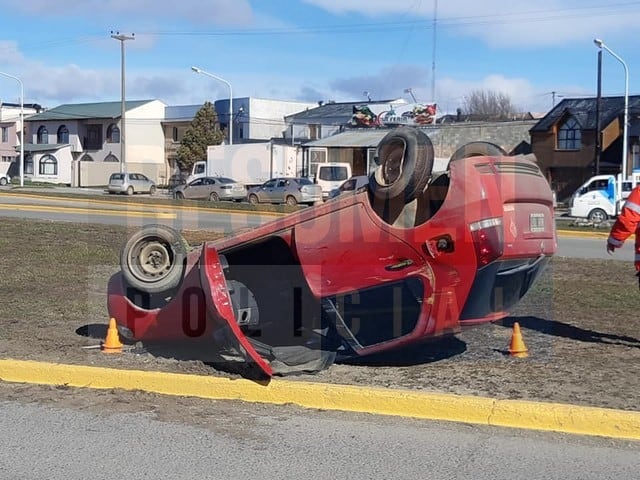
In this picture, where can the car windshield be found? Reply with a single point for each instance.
(304, 181)
(333, 173)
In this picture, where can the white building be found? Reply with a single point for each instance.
(80, 144)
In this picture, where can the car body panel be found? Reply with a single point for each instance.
(121, 182)
(201, 188)
(350, 185)
(276, 190)
(463, 252)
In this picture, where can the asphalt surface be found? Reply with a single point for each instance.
(245, 441)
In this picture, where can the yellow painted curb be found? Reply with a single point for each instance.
(580, 233)
(404, 403)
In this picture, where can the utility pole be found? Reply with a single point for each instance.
(598, 105)
(433, 52)
(123, 150)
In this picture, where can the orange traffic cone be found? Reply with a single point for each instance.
(112, 343)
(517, 348)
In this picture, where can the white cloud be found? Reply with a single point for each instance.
(517, 23)
(220, 12)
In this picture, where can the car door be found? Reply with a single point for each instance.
(280, 191)
(266, 192)
(194, 190)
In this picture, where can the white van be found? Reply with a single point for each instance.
(596, 199)
(331, 175)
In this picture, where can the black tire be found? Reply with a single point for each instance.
(597, 215)
(253, 199)
(152, 190)
(405, 162)
(153, 259)
(478, 149)
(213, 197)
(3, 181)
(130, 191)
(291, 201)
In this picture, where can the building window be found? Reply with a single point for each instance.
(28, 165)
(43, 135)
(175, 134)
(315, 132)
(48, 165)
(5, 134)
(86, 158)
(93, 140)
(111, 158)
(569, 135)
(63, 135)
(113, 134)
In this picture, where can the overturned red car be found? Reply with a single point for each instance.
(410, 257)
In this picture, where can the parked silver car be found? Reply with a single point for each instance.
(211, 188)
(350, 185)
(4, 179)
(286, 190)
(131, 183)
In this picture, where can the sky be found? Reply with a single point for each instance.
(317, 50)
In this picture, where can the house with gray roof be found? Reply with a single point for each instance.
(579, 138)
(81, 144)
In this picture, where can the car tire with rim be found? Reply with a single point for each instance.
(152, 190)
(291, 201)
(406, 160)
(478, 149)
(130, 191)
(213, 197)
(3, 181)
(597, 215)
(253, 199)
(153, 259)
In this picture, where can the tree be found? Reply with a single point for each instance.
(203, 131)
(489, 104)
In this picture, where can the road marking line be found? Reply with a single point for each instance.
(85, 211)
(405, 403)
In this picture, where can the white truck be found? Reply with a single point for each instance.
(600, 198)
(330, 175)
(248, 163)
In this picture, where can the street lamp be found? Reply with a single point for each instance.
(600, 44)
(123, 151)
(21, 125)
(199, 70)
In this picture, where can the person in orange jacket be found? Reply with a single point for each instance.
(628, 222)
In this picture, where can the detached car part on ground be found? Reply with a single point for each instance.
(407, 258)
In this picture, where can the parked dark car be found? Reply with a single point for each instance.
(291, 191)
(407, 259)
(211, 188)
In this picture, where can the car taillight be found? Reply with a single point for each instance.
(487, 239)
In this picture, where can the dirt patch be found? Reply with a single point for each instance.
(580, 324)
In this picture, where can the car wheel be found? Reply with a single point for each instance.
(406, 160)
(291, 201)
(153, 259)
(130, 191)
(597, 215)
(152, 190)
(213, 196)
(178, 196)
(478, 149)
(3, 181)
(253, 199)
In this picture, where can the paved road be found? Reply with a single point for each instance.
(243, 442)
(583, 247)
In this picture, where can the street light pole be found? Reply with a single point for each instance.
(600, 44)
(199, 70)
(21, 125)
(123, 150)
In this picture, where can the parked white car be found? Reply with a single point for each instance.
(131, 183)
(4, 179)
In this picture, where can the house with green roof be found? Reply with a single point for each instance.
(81, 144)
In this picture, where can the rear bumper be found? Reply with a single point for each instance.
(498, 287)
